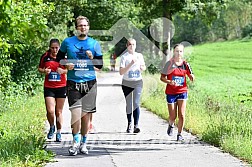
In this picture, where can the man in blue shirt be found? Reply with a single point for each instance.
(81, 54)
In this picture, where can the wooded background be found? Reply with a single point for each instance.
(26, 26)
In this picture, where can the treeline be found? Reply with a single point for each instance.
(26, 26)
(232, 22)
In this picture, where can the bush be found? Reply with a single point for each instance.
(22, 133)
(247, 31)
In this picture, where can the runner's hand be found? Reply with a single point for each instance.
(60, 70)
(89, 54)
(69, 66)
(47, 70)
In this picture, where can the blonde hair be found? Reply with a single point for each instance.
(130, 39)
(81, 18)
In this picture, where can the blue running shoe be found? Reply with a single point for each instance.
(58, 137)
(51, 132)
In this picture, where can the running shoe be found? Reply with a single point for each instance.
(51, 132)
(58, 137)
(170, 130)
(136, 129)
(129, 128)
(83, 148)
(180, 137)
(73, 149)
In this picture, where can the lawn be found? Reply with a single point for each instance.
(220, 100)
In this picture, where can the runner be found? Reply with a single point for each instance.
(174, 75)
(131, 66)
(83, 54)
(54, 87)
(113, 61)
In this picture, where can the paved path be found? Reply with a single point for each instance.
(110, 146)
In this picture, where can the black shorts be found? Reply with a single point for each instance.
(82, 95)
(55, 92)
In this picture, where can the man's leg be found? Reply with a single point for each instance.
(88, 106)
(91, 123)
(75, 125)
(85, 123)
(74, 100)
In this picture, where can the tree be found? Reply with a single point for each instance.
(23, 27)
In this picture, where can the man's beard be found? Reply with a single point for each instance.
(80, 34)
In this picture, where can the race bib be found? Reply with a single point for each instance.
(54, 76)
(178, 80)
(134, 74)
(81, 65)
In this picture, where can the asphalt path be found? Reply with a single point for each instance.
(110, 146)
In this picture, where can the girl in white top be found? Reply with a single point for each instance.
(131, 66)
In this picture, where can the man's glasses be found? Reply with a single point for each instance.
(81, 25)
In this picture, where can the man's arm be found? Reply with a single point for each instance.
(60, 56)
(98, 61)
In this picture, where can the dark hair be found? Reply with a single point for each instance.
(176, 45)
(54, 40)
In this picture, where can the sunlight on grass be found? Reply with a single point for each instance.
(22, 134)
(219, 103)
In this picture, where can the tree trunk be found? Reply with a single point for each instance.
(167, 14)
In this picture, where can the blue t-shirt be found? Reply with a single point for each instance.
(76, 54)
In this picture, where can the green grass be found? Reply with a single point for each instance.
(22, 133)
(219, 104)
(225, 69)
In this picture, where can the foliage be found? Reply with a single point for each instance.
(22, 135)
(26, 28)
(197, 33)
(247, 31)
(237, 16)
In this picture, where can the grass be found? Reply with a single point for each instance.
(219, 104)
(22, 134)
(218, 110)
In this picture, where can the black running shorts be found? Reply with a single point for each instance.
(82, 95)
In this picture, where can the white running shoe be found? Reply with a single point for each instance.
(83, 148)
(73, 149)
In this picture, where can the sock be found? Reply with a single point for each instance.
(84, 139)
(58, 130)
(76, 138)
(179, 133)
(51, 127)
(171, 123)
